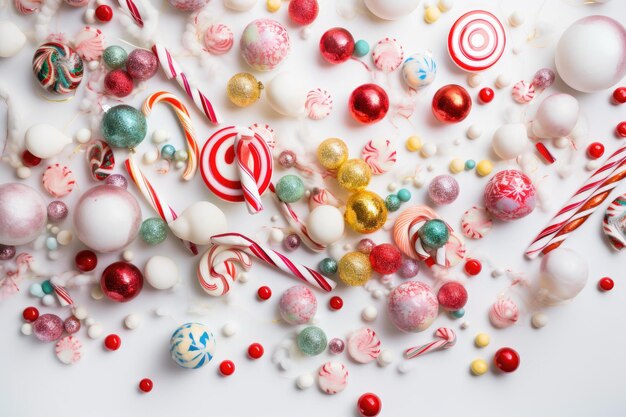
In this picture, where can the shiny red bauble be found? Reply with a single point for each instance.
(452, 296)
(336, 45)
(620, 130)
(303, 12)
(619, 95)
(30, 314)
(227, 368)
(385, 259)
(255, 351)
(506, 359)
(112, 342)
(369, 405)
(605, 284)
(121, 281)
(264, 293)
(86, 260)
(485, 95)
(118, 83)
(473, 267)
(146, 385)
(336, 303)
(104, 13)
(451, 104)
(595, 150)
(368, 103)
(30, 160)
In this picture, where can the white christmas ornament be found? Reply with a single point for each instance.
(563, 275)
(199, 222)
(510, 140)
(12, 39)
(286, 94)
(391, 9)
(45, 141)
(161, 272)
(557, 116)
(326, 224)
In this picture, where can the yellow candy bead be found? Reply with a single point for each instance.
(479, 367)
(365, 212)
(484, 167)
(432, 14)
(413, 144)
(482, 340)
(354, 174)
(457, 165)
(332, 153)
(355, 268)
(273, 5)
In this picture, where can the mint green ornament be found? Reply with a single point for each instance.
(153, 230)
(290, 188)
(312, 341)
(114, 57)
(328, 266)
(124, 126)
(434, 234)
(404, 195)
(393, 202)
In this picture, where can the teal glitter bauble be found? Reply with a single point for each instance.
(115, 57)
(153, 230)
(392, 202)
(361, 48)
(434, 234)
(312, 341)
(167, 152)
(404, 195)
(328, 266)
(290, 188)
(124, 126)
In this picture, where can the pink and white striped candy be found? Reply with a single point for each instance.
(333, 377)
(503, 313)
(476, 40)
(89, 43)
(523, 92)
(101, 160)
(218, 39)
(380, 155)
(27, 6)
(388, 54)
(614, 223)
(266, 133)
(476, 223)
(323, 197)
(446, 339)
(363, 345)
(318, 104)
(58, 180)
(62, 295)
(68, 350)
(217, 269)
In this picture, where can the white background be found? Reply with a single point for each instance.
(572, 367)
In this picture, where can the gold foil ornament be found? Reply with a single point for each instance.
(355, 268)
(332, 153)
(354, 175)
(243, 89)
(365, 212)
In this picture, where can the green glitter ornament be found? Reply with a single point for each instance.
(153, 230)
(312, 341)
(290, 188)
(392, 202)
(124, 126)
(434, 234)
(328, 266)
(115, 57)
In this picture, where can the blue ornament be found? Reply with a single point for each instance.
(361, 48)
(434, 234)
(470, 164)
(328, 266)
(192, 345)
(115, 57)
(457, 314)
(419, 70)
(393, 202)
(290, 188)
(404, 195)
(312, 341)
(168, 152)
(124, 126)
(153, 230)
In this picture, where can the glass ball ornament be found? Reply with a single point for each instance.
(115, 57)
(57, 211)
(243, 89)
(385, 259)
(409, 268)
(23, 214)
(443, 189)
(392, 202)
(368, 103)
(434, 234)
(510, 195)
(543, 78)
(292, 242)
(365, 246)
(264, 44)
(121, 282)
(332, 153)
(303, 12)
(336, 45)
(287, 159)
(48, 327)
(153, 230)
(328, 266)
(290, 188)
(124, 126)
(312, 341)
(7, 252)
(355, 269)
(297, 305)
(142, 64)
(167, 152)
(117, 180)
(451, 104)
(118, 83)
(365, 212)
(354, 175)
(412, 306)
(336, 346)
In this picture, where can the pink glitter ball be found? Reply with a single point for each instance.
(412, 306)
(443, 189)
(365, 246)
(117, 180)
(292, 242)
(71, 325)
(141, 64)
(189, 5)
(409, 268)
(48, 327)
(336, 346)
(543, 78)
(287, 159)
(297, 305)
(510, 195)
(57, 211)
(265, 44)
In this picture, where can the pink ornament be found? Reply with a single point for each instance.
(380, 155)
(510, 195)
(318, 104)
(89, 43)
(388, 54)
(303, 12)
(58, 180)
(141, 64)
(218, 39)
(71, 325)
(443, 189)
(363, 345)
(57, 211)
(476, 223)
(118, 83)
(22, 214)
(189, 5)
(412, 306)
(452, 296)
(298, 305)
(336, 346)
(68, 350)
(336, 45)
(48, 327)
(265, 44)
(503, 313)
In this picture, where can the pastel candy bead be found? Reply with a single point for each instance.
(192, 345)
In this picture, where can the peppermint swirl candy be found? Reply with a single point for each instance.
(476, 223)
(614, 223)
(58, 68)
(379, 155)
(318, 104)
(218, 39)
(58, 180)
(388, 54)
(333, 377)
(363, 345)
(523, 92)
(89, 43)
(503, 313)
(68, 350)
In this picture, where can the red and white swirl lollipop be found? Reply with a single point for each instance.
(476, 40)
(217, 269)
(218, 39)
(363, 345)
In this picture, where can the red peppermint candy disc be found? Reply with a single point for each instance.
(476, 40)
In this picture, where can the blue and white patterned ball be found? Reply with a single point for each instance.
(192, 345)
(419, 70)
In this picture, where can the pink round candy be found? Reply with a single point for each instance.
(57, 211)
(22, 214)
(412, 306)
(510, 195)
(48, 327)
(218, 39)
(336, 346)
(363, 345)
(297, 305)
(443, 189)
(189, 5)
(264, 44)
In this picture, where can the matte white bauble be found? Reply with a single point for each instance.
(199, 222)
(391, 9)
(161, 272)
(591, 54)
(12, 39)
(23, 214)
(45, 141)
(326, 224)
(557, 115)
(563, 275)
(510, 140)
(239, 5)
(286, 94)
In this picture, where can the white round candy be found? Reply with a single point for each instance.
(96, 292)
(304, 381)
(64, 237)
(229, 329)
(429, 149)
(557, 115)
(239, 5)
(83, 135)
(276, 235)
(93, 65)
(445, 5)
(90, 321)
(26, 329)
(198, 222)
(161, 272)
(474, 131)
(560, 143)
(12, 39)
(517, 18)
(503, 81)
(23, 173)
(45, 141)
(474, 80)
(391, 9)
(286, 94)
(150, 156)
(132, 321)
(95, 331)
(80, 313)
(385, 358)
(48, 300)
(128, 255)
(563, 275)
(369, 313)
(54, 255)
(160, 136)
(326, 224)
(510, 140)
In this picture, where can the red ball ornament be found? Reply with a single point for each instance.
(112, 342)
(369, 405)
(227, 368)
(473, 267)
(255, 351)
(619, 95)
(385, 259)
(145, 385)
(303, 12)
(86, 260)
(264, 293)
(104, 13)
(368, 103)
(595, 150)
(506, 359)
(510, 195)
(451, 104)
(620, 130)
(30, 314)
(336, 45)
(30, 160)
(118, 83)
(485, 95)
(452, 296)
(605, 284)
(121, 282)
(335, 303)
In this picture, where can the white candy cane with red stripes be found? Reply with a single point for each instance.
(275, 259)
(62, 295)
(130, 7)
(185, 121)
(446, 339)
(173, 70)
(251, 193)
(217, 269)
(164, 210)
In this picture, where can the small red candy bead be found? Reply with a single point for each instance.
(619, 95)
(112, 342)
(86, 260)
(264, 293)
(255, 351)
(369, 405)
(473, 267)
(605, 284)
(621, 130)
(227, 368)
(30, 314)
(30, 160)
(146, 385)
(485, 95)
(336, 303)
(506, 359)
(595, 150)
(104, 13)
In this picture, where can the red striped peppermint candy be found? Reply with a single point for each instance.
(476, 40)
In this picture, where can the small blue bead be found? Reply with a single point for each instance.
(458, 313)
(470, 164)
(167, 152)
(361, 48)
(404, 195)
(51, 243)
(392, 202)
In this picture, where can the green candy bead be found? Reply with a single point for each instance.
(434, 234)
(167, 152)
(46, 287)
(115, 57)
(361, 48)
(404, 195)
(124, 126)
(290, 188)
(312, 341)
(328, 266)
(470, 164)
(457, 314)
(153, 230)
(392, 202)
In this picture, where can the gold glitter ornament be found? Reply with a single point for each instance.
(354, 175)
(365, 212)
(332, 153)
(243, 89)
(355, 268)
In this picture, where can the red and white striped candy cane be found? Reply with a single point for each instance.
(62, 295)
(164, 210)
(275, 259)
(173, 70)
(575, 202)
(446, 339)
(217, 269)
(185, 121)
(130, 7)
(251, 193)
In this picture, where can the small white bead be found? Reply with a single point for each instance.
(26, 329)
(243, 277)
(539, 320)
(93, 65)
(276, 235)
(305, 33)
(64, 237)
(445, 5)
(385, 358)
(160, 136)
(96, 292)
(304, 381)
(90, 321)
(285, 365)
(274, 218)
(90, 16)
(369, 313)
(83, 135)
(377, 294)
(497, 273)
(128, 255)
(179, 164)
(503, 81)
(181, 155)
(474, 131)
(457, 142)
(22, 173)
(48, 300)
(95, 331)
(132, 321)
(592, 165)
(517, 18)
(418, 181)
(150, 157)
(229, 329)
(405, 367)
(54, 255)
(561, 143)
(80, 313)
(162, 312)
(465, 325)
(54, 230)
(429, 149)
(474, 80)
(392, 187)
(101, 2)
(430, 168)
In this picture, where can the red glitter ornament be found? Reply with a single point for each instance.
(30, 314)
(506, 359)
(451, 104)
(104, 13)
(595, 150)
(452, 296)
(335, 303)
(485, 95)
(121, 281)
(303, 12)
(368, 103)
(86, 260)
(605, 284)
(336, 45)
(255, 351)
(118, 83)
(620, 130)
(264, 293)
(385, 259)
(473, 267)
(369, 405)
(30, 160)
(619, 95)
(227, 368)
(145, 385)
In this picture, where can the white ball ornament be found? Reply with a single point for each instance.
(286, 94)
(12, 39)
(198, 222)
(45, 141)
(161, 272)
(239, 5)
(510, 140)
(557, 116)
(23, 214)
(563, 274)
(326, 224)
(391, 9)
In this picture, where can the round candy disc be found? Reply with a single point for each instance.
(333, 377)
(380, 155)
(363, 345)
(476, 40)
(58, 68)
(388, 54)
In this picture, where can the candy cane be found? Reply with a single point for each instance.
(275, 259)
(130, 7)
(159, 205)
(173, 70)
(22, 6)
(615, 213)
(447, 339)
(185, 121)
(140, 19)
(217, 270)
(575, 202)
(251, 193)
(62, 295)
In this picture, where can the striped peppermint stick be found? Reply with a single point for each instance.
(185, 121)
(275, 259)
(446, 339)
(159, 205)
(575, 202)
(173, 70)
(217, 269)
(130, 7)
(245, 164)
(611, 226)
(62, 295)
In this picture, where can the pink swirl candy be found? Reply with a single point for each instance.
(388, 54)
(58, 180)
(523, 92)
(68, 350)
(380, 155)
(318, 104)
(89, 43)
(333, 377)
(503, 313)
(363, 345)
(476, 223)
(218, 39)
